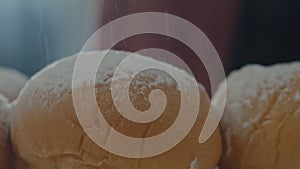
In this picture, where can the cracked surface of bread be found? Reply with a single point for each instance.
(261, 122)
(46, 132)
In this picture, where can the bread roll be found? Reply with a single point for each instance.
(46, 132)
(6, 157)
(11, 82)
(261, 122)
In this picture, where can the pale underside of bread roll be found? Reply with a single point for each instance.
(261, 122)
(47, 135)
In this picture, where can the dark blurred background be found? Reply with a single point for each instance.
(36, 32)
(268, 32)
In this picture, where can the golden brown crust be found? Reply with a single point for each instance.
(261, 118)
(48, 135)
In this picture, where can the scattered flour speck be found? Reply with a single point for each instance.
(194, 164)
(297, 96)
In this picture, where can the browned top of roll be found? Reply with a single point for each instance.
(46, 132)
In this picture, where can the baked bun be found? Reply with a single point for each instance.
(6, 157)
(261, 122)
(47, 134)
(11, 82)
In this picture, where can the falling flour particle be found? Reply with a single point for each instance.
(194, 164)
(246, 125)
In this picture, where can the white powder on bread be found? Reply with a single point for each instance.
(250, 89)
(194, 164)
